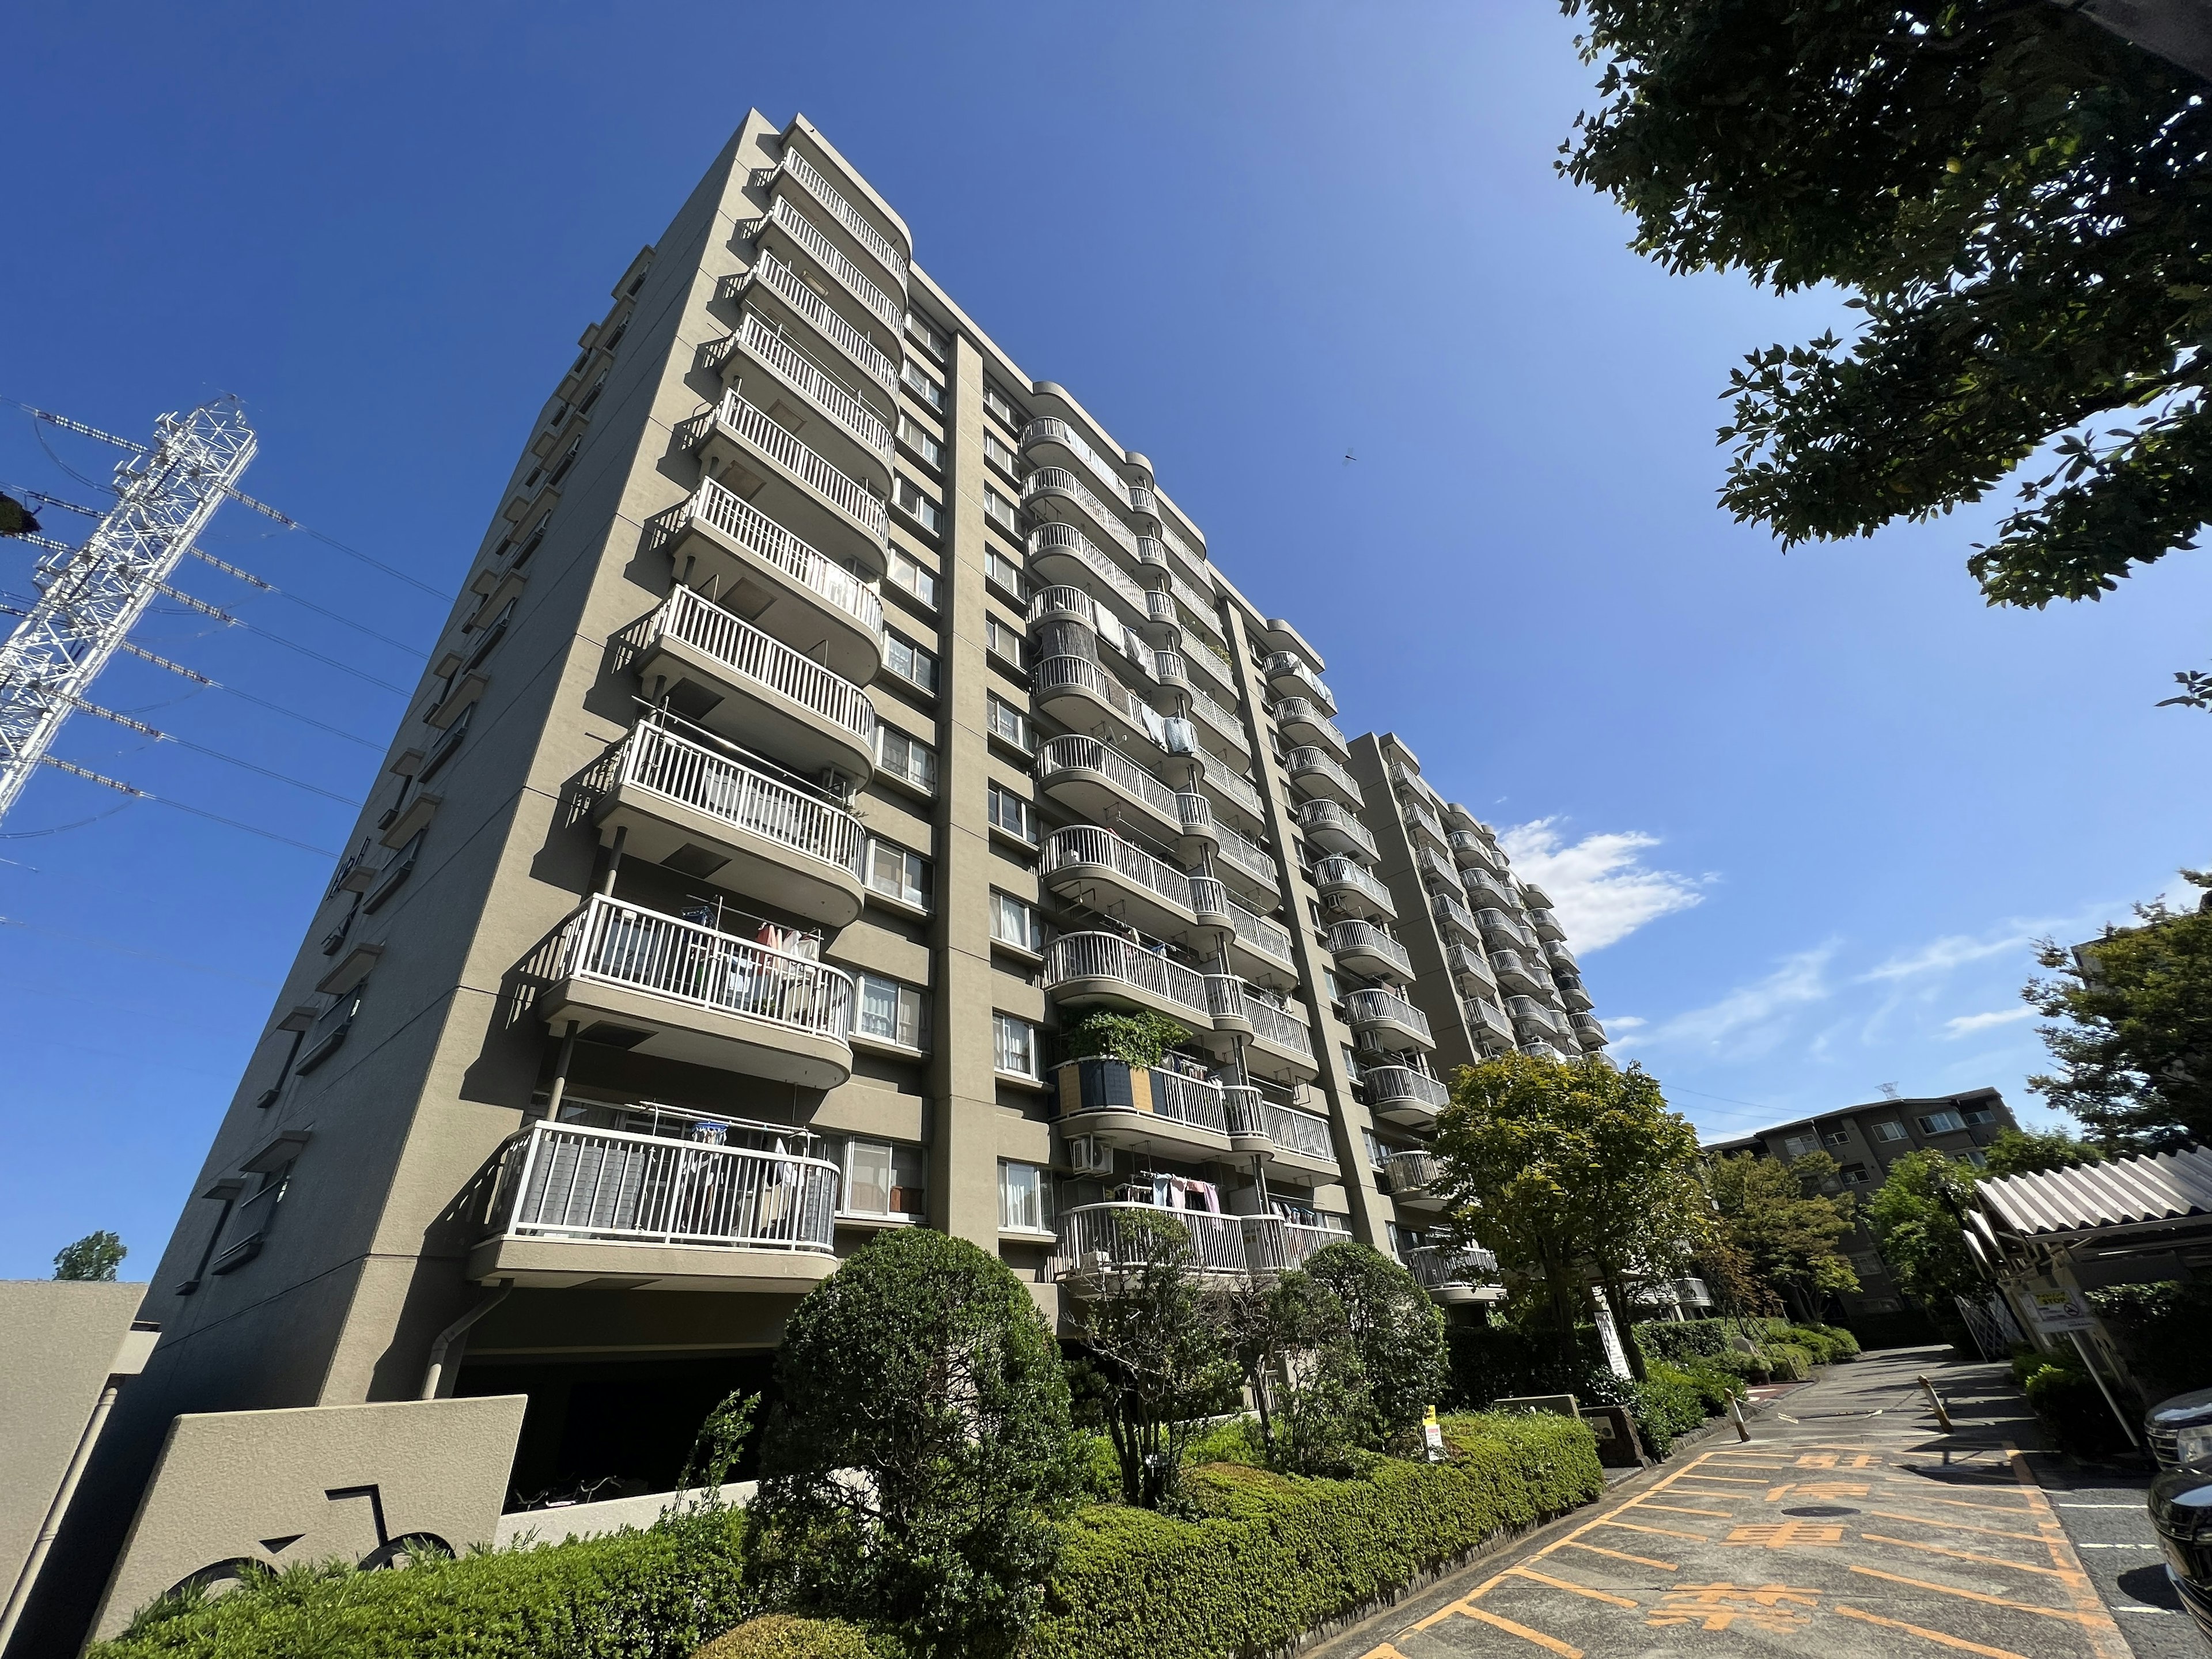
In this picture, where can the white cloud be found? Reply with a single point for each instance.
(1955, 951)
(1752, 1018)
(1967, 1024)
(1598, 885)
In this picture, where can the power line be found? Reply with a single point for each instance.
(160, 736)
(121, 787)
(223, 616)
(140, 652)
(252, 581)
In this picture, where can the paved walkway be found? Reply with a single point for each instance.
(1847, 1526)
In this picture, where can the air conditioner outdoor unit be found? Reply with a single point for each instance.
(1088, 1155)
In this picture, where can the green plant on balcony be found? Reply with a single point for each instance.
(1140, 1039)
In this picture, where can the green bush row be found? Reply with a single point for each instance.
(781, 1636)
(1272, 1556)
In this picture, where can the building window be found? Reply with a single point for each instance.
(1351, 1061)
(1010, 724)
(1889, 1131)
(1855, 1175)
(1011, 813)
(917, 506)
(1015, 923)
(1328, 983)
(1374, 1149)
(1000, 512)
(915, 664)
(910, 761)
(1001, 405)
(922, 384)
(911, 434)
(1980, 1114)
(898, 874)
(1003, 571)
(1004, 643)
(1016, 1046)
(996, 451)
(1941, 1123)
(1838, 1137)
(1024, 1199)
(929, 339)
(1794, 1147)
(868, 1178)
(890, 1012)
(911, 574)
(1976, 1157)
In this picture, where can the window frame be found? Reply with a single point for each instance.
(1032, 941)
(894, 641)
(901, 990)
(901, 900)
(887, 734)
(1026, 811)
(1037, 1198)
(1025, 721)
(1001, 1021)
(926, 577)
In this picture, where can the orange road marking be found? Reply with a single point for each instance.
(1620, 1555)
(1732, 1480)
(1664, 1532)
(1986, 1509)
(1551, 1644)
(1389, 1650)
(1957, 1526)
(1917, 1630)
(1568, 1584)
(2104, 1639)
(1676, 1508)
(1771, 1535)
(1977, 1596)
(1974, 1555)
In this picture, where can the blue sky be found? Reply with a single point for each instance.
(1819, 806)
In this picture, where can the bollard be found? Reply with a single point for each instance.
(1736, 1416)
(1935, 1405)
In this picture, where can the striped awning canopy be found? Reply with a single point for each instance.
(2128, 1192)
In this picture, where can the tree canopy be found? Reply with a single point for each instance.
(1777, 1216)
(2018, 201)
(2037, 1151)
(1918, 1217)
(94, 1257)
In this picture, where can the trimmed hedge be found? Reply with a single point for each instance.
(1273, 1555)
(780, 1635)
(652, 1594)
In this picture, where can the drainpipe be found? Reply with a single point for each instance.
(437, 1382)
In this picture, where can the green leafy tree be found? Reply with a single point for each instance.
(1917, 1216)
(923, 1366)
(1317, 1411)
(2134, 1045)
(1141, 1038)
(1396, 1333)
(94, 1257)
(2029, 1151)
(2017, 203)
(1786, 1227)
(1578, 1173)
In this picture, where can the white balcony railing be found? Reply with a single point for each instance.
(845, 493)
(760, 339)
(1270, 938)
(1302, 1240)
(1482, 1011)
(656, 759)
(884, 251)
(1109, 957)
(563, 1181)
(1221, 719)
(1196, 1101)
(1308, 760)
(1083, 754)
(1115, 1238)
(1337, 819)
(1297, 1132)
(1254, 859)
(1050, 481)
(1086, 845)
(785, 214)
(1436, 1267)
(1386, 1084)
(1412, 1172)
(749, 654)
(1289, 665)
(1375, 1006)
(772, 545)
(1365, 939)
(1338, 872)
(1272, 1024)
(1307, 714)
(1465, 962)
(1211, 663)
(1064, 540)
(1055, 676)
(617, 944)
(825, 319)
(1234, 785)
(1451, 913)
(1048, 428)
(1471, 848)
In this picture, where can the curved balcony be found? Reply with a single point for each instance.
(1336, 829)
(1222, 722)
(1299, 1140)
(1364, 948)
(1093, 778)
(1455, 1277)
(1288, 676)
(1079, 692)
(1062, 553)
(1063, 604)
(1047, 441)
(1586, 1030)
(1145, 1109)
(1210, 900)
(1318, 773)
(1577, 1000)
(1299, 1241)
(686, 991)
(1248, 1123)
(1144, 509)
(1232, 790)
(1085, 969)
(1247, 864)
(1257, 945)
(794, 483)
(1487, 1019)
(1477, 852)
(1501, 932)
(717, 540)
(1059, 495)
(1488, 893)
(1302, 721)
(1469, 969)
(732, 826)
(575, 1204)
(786, 231)
(763, 358)
(720, 672)
(1531, 1018)
(1385, 1020)
(1441, 874)
(1100, 1244)
(1417, 1181)
(1534, 897)
(1279, 1044)
(1168, 669)
(1519, 975)
(861, 233)
(1546, 922)
(1109, 875)
(1455, 919)
(1211, 664)
(773, 286)
(1200, 834)
(1558, 958)
(1354, 890)
(1399, 1094)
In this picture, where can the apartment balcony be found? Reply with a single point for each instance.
(1501, 932)
(1201, 837)
(573, 1204)
(789, 233)
(1145, 1109)
(798, 487)
(1586, 1030)
(1079, 692)
(1234, 791)
(1558, 958)
(1257, 945)
(1488, 1018)
(1246, 864)
(1115, 878)
(1531, 1020)
(883, 248)
(1477, 852)
(1455, 1277)
(1438, 872)
(1489, 893)
(1336, 829)
(767, 366)
(1100, 1244)
(1416, 1181)
(1354, 890)
(1060, 604)
(718, 820)
(678, 990)
(718, 671)
(1289, 676)
(1575, 999)
(1084, 969)
(1534, 897)
(1048, 440)
(1518, 975)
(776, 288)
(1294, 1139)
(1469, 969)
(717, 540)
(1096, 780)
(1059, 495)
(1279, 1044)
(1222, 722)
(1400, 1094)
(1278, 635)
(1207, 662)
(1384, 1019)
(1673, 1293)
(1277, 1246)
(1062, 553)
(1455, 919)
(1318, 773)
(1304, 722)
(1546, 922)
(1361, 947)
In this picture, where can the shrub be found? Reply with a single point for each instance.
(1677, 1340)
(1271, 1555)
(1672, 1403)
(650, 1595)
(1397, 1333)
(1236, 1441)
(2163, 1332)
(1492, 1362)
(780, 1635)
(1714, 1386)
(1816, 1342)
(1140, 1039)
(1745, 1367)
(1847, 1345)
(924, 1364)
(2071, 1407)
(1791, 1363)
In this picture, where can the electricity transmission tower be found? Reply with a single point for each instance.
(91, 597)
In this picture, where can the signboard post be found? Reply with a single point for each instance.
(2063, 1313)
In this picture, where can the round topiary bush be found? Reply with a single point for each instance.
(780, 1636)
(1396, 1330)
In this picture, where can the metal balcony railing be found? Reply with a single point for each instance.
(1386, 1084)
(1211, 663)
(1049, 428)
(1338, 819)
(1306, 714)
(1107, 955)
(1289, 665)
(1060, 603)
(1195, 1101)
(1238, 788)
(617, 943)
(1271, 1024)
(767, 661)
(845, 493)
(1365, 939)
(1465, 962)
(654, 758)
(761, 339)
(1220, 718)
(1499, 927)
(772, 545)
(1527, 1013)
(1436, 869)
(1297, 1132)
(1050, 481)
(1417, 812)
(1482, 1011)
(1587, 1030)
(1270, 938)
(1065, 540)
(1412, 1172)
(1056, 675)
(1450, 913)
(863, 230)
(785, 214)
(1436, 1267)
(1111, 1238)
(1471, 848)
(1302, 1240)
(1082, 754)
(780, 279)
(1254, 859)
(1308, 760)
(1200, 606)
(1339, 872)
(563, 1181)
(1488, 892)
(1375, 1006)
(1086, 844)
(1194, 562)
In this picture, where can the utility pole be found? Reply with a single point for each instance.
(91, 597)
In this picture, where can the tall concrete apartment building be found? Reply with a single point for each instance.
(834, 714)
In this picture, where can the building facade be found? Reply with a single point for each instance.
(836, 717)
